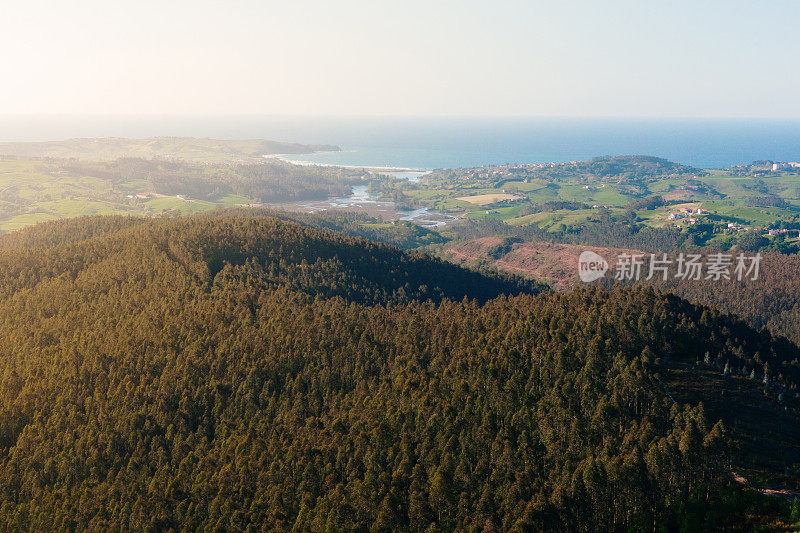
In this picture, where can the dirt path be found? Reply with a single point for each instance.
(786, 494)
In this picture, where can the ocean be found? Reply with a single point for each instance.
(445, 142)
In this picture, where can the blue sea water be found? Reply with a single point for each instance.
(437, 142)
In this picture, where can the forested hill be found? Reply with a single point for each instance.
(251, 374)
(289, 254)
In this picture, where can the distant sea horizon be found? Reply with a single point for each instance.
(428, 143)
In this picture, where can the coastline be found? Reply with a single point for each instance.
(371, 168)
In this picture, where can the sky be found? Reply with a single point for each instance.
(610, 58)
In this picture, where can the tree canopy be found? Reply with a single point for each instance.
(246, 373)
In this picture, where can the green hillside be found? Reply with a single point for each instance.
(189, 148)
(34, 190)
(245, 373)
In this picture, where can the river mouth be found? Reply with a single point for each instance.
(361, 201)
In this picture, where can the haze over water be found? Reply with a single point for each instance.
(439, 142)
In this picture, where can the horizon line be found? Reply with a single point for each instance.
(392, 116)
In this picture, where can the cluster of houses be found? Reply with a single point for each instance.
(490, 175)
(493, 174)
(737, 227)
(150, 196)
(687, 213)
(782, 231)
(785, 166)
(690, 215)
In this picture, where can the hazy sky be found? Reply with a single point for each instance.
(559, 58)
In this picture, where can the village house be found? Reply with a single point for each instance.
(783, 166)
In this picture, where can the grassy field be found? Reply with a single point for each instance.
(500, 213)
(173, 204)
(36, 191)
(720, 192)
(530, 186)
(750, 215)
(554, 219)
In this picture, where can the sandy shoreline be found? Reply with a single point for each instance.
(376, 169)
